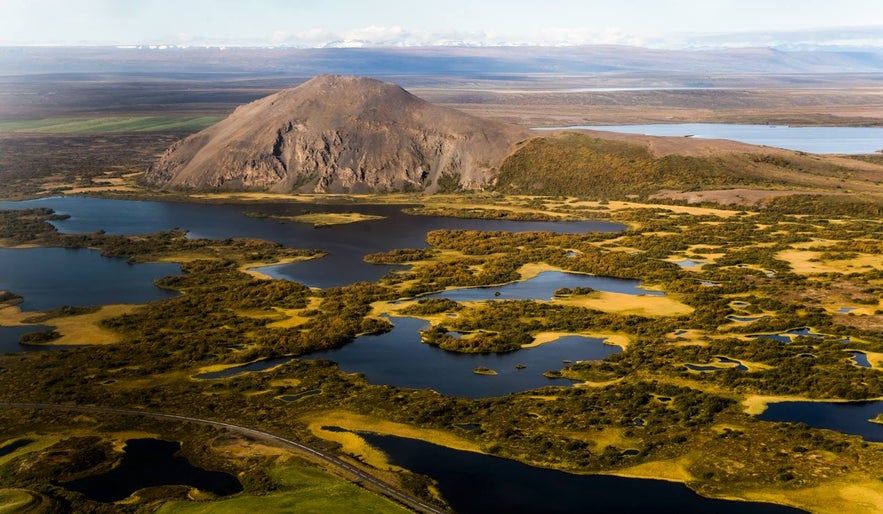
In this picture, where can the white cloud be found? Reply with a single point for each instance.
(395, 35)
(398, 36)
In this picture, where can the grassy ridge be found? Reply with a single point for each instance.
(109, 124)
(577, 164)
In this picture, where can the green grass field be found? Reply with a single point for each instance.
(303, 490)
(109, 124)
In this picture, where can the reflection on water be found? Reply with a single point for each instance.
(399, 358)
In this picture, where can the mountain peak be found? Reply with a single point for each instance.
(339, 133)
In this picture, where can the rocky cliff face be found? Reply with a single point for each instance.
(335, 134)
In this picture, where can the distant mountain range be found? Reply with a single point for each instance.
(434, 61)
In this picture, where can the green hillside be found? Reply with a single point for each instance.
(577, 164)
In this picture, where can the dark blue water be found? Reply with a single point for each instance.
(49, 278)
(399, 358)
(846, 417)
(774, 337)
(346, 244)
(8, 448)
(151, 463)
(9, 337)
(476, 483)
(830, 140)
(543, 286)
(861, 359)
(245, 368)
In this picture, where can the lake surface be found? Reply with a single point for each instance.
(49, 278)
(399, 358)
(346, 244)
(476, 483)
(824, 140)
(543, 287)
(846, 417)
(9, 337)
(151, 463)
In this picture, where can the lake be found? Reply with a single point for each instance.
(346, 244)
(151, 463)
(476, 483)
(49, 278)
(846, 417)
(823, 140)
(399, 358)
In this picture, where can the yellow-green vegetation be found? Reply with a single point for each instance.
(629, 304)
(356, 422)
(17, 500)
(621, 340)
(809, 262)
(694, 427)
(110, 124)
(481, 370)
(575, 163)
(80, 329)
(853, 493)
(299, 489)
(321, 219)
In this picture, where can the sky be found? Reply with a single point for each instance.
(318, 23)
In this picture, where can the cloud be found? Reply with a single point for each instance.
(401, 37)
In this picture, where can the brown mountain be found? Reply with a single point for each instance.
(339, 133)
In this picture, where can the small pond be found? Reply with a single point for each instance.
(251, 367)
(476, 483)
(861, 359)
(745, 319)
(721, 366)
(543, 287)
(399, 358)
(151, 463)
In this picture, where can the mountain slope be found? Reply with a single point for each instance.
(338, 133)
(615, 166)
